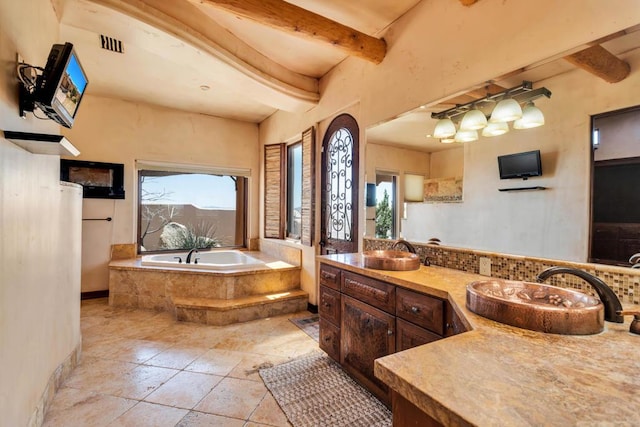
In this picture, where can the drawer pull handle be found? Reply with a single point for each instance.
(327, 339)
(389, 332)
(330, 276)
(326, 304)
(415, 310)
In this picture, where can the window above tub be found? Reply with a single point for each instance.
(184, 207)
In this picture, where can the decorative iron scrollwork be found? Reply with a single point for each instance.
(339, 186)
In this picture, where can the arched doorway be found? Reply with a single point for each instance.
(339, 202)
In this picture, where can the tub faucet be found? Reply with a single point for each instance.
(188, 261)
(610, 300)
(406, 244)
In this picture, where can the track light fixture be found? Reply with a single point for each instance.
(491, 114)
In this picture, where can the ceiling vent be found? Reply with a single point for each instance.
(109, 43)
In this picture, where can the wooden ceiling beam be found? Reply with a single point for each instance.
(287, 17)
(600, 62)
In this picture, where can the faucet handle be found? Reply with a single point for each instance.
(634, 328)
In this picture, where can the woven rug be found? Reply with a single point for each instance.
(314, 391)
(310, 325)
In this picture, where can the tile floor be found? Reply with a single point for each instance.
(141, 368)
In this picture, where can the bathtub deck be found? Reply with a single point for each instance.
(210, 297)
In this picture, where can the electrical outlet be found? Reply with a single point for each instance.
(485, 266)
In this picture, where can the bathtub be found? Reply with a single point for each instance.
(211, 260)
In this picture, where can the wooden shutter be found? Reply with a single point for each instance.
(308, 186)
(274, 191)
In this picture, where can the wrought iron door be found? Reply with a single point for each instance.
(339, 218)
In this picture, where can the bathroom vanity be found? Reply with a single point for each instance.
(408, 337)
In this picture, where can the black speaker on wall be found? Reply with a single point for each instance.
(371, 195)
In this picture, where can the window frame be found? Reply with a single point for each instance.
(241, 178)
(288, 212)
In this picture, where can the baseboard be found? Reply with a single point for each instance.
(94, 294)
(312, 308)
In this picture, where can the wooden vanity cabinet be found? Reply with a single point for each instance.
(362, 319)
(329, 310)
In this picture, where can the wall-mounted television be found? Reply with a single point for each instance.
(520, 165)
(99, 180)
(60, 88)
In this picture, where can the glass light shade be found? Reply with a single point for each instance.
(506, 110)
(466, 135)
(447, 140)
(413, 188)
(473, 120)
(495, 129)
(532, 117)
(444, 129)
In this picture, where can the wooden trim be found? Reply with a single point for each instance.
(274, 191)
(308, 187)
(600, 62)
(305, 24)
(617, 162)
(94, 294)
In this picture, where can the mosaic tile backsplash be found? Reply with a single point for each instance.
(625, 282)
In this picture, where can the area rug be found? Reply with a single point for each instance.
(310, 325)
(314, 391)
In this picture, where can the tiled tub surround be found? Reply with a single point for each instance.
(211, 297)
(495, 374)
(625, 282)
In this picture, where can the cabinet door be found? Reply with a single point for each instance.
(330, 339)
(329, 308)
(410, 335)
(366, 334)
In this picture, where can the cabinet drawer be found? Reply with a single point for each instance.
(421, 309)
(329, 308)
(409, 335)
(378, 294)
(330, 339)
(330, 276)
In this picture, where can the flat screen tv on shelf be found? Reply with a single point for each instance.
(62, 85)
(520, 165)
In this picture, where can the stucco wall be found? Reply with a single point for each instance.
(39, 233)
(111, 130)
(442, 48)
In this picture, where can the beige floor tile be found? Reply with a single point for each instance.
(92, 373)
(82, 408)
(184, 390)
(149, 415)
(233, 398)
(198, 419)
(250, 365)
(177, 357)
(269, 412)
(136, 351)
(139, 382)
(216, 362)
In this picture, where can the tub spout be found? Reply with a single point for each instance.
(191, 252)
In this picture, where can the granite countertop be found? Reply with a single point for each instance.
(495, 374)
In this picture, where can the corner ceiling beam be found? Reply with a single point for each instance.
(600, 62)
(280, 15)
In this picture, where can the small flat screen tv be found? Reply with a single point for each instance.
(520, 165)
(62, 85)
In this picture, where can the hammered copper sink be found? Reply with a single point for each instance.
(536, 306)
(391, 260)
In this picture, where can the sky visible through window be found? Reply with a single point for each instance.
(201, 190)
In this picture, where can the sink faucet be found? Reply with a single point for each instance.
(610, 300)
(406, 244)
(188, 261)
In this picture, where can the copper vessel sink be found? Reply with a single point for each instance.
(536, 306)
(391, 260)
